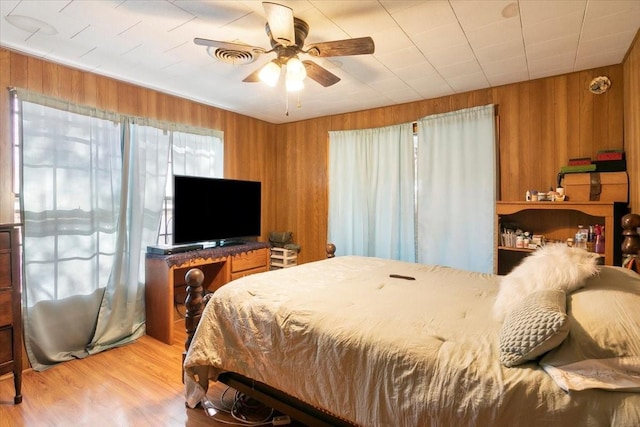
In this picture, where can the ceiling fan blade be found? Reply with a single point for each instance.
(358, 46)
(229, 45)
(320, 74)
(253, 77)
(280, 20)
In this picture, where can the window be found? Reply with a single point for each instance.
(191, 154)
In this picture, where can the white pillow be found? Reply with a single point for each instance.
(604, 320)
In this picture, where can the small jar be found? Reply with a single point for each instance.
(520, 242)
(570, 242)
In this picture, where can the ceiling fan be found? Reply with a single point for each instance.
(287, 35)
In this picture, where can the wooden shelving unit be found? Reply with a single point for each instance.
(557, 221)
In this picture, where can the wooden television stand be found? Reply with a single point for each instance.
(164, 278)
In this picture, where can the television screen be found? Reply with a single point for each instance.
(214, 209)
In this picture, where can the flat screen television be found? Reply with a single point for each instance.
(215, 210)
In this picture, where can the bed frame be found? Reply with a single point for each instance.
(301, 411)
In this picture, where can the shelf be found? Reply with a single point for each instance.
(557, 221)
(508, 248)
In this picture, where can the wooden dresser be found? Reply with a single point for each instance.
(11, 306)
(165, 285)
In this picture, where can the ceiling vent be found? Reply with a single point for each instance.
(231, 56)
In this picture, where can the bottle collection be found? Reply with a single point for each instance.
(590, 238)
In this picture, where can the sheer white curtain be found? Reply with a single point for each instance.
(144, 178)
(198, 155)
(71, 167)
(371, 192)
(91, 190)
(457, 189)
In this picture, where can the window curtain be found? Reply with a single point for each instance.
(371, 192)
(456, 170)
(91, 190)
(144, 175)
(198, 154)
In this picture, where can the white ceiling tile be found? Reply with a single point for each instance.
(602, 26)
(555, 28)
(400, 58)
(533, 12)
(424, 49)
(552, 65)
(594, 47)
(434, 40)
(506, 49)
(415, 70)
(460, 69)
(390, 40)
(507, 30)
(509, 65)
(508, 77)
(601, 59)
(356, 18)
(450, 55)
(554, 47)
(401, 96)
(477, 14)
(425, 15)
(468, 82)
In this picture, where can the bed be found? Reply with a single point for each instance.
(372, 342)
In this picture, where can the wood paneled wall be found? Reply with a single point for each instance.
(632, 121)
(249, 151)
(542, 123)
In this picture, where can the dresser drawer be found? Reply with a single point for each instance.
(6, 313)
(6, 345)
(5, 270)
(5, 240)
(249, 260)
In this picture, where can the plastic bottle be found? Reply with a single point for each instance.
(580, 239)
(599, 245)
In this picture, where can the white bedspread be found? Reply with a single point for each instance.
(342, 335)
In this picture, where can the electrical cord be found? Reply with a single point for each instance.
(241, 409)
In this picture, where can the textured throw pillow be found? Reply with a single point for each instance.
(537, 324)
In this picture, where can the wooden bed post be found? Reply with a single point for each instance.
(194, 304)
(631, 242)
(331, 250)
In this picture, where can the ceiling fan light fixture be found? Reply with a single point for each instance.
(270, 74)
(296, 69)
(293, 84)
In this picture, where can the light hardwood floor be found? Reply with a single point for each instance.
(138, 384)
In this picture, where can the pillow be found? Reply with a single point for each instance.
(537, 324)
(604, 320)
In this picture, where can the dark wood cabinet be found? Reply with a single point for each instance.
(11, 306)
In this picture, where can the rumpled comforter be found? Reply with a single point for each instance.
(343, 335)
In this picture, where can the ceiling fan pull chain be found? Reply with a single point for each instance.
(286, 108)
